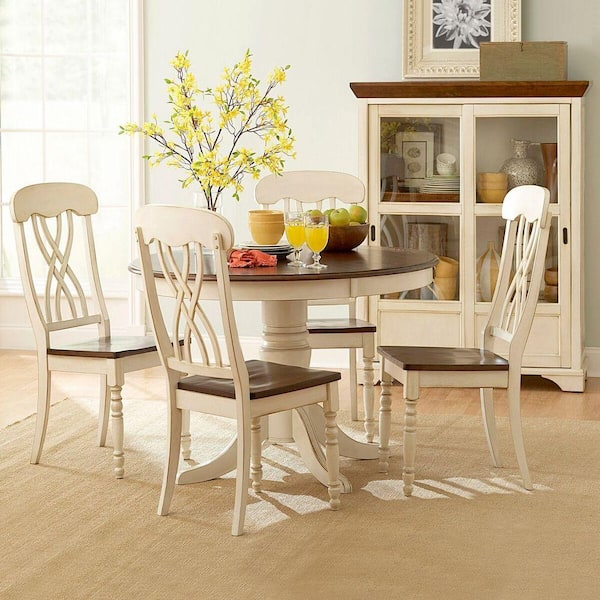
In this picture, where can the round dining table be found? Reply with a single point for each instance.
(284, 292)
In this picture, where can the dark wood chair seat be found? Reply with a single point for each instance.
(316, 326)
(113, 347)
(266, 379)
(420, 358)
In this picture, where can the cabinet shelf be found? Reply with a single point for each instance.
(419, 197)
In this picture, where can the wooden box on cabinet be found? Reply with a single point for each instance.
(474, 122)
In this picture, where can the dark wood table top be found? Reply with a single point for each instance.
(365, 261)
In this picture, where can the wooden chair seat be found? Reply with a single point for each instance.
(420, 358)
(265, 378)
(317, 326)
(511, 313)
(112, 347)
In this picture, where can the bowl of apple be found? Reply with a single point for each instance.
(348, 228)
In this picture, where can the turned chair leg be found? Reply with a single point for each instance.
(332, 450)
(368, 391)
(385, 419)
(411, 394)
(116, 413)
(256, 469)
(186, 436)
(353, 384)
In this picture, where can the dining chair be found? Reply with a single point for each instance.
(299, 190)
(207, 376)
(61, 284)
(497, 362)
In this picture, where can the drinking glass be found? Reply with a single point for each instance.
(316, 228)
(294, 231)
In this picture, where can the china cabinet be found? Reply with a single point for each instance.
(437, 158)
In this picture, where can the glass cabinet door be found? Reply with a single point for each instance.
(521, 145)
(419, 207)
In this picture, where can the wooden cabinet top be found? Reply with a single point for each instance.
(469, 88)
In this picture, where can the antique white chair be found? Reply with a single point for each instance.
(204, 377)
(52, 225)
(299, 190)
(525, 209)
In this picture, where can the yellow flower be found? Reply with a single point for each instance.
(207, 153)
(180, 61)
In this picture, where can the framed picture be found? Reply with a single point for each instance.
(416, 149)
(441, 38)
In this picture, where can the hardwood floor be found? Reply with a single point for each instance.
(539, 398)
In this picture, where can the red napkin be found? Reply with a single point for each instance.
(251, 258)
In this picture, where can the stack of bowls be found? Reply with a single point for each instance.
(551, 285)
(445, 278)
(491, 187)
(266, 226)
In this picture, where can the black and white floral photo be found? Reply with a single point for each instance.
(461, 23)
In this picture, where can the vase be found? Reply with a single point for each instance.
(487, 272)
(519, 168)
(550, 158)
(199, 201)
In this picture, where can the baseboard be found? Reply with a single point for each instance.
(593, 361)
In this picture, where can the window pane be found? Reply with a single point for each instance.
(109, 168)
(21, 159)
(65, 26)
(113, 238)
(21, 92)
(9, 266)
(109, 26)
(66, 92)
(21, 26)
(67, 157)
(109, 97)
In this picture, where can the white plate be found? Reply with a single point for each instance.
(276, 249)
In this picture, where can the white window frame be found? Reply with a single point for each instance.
(11, 287)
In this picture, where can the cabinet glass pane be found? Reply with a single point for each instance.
(436, 234)
(524, 149)
(419, 159)
(489, 240)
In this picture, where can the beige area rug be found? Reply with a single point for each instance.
(69, 530)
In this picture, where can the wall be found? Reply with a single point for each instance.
(329, 44)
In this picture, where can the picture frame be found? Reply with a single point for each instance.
(430, 35)
(416, 149)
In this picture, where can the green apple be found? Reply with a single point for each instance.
(357, 213)
(314, 213)
(339, 217)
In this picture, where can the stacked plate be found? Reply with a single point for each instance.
(439, 184)
(276, 249)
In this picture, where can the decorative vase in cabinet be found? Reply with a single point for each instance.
(520, 169)
(487, 272)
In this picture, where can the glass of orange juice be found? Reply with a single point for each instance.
(316, 229)
(294, 231)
